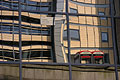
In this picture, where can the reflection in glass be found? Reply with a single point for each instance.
(44, 39)
(12, 4)
(9, 36)
(36, 40)
(74, 34)
(89, 34)
(38, 44)
(41, 37)
(36, 5)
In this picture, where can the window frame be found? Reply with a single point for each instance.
(108, 58)
(76, 39)
(73, 9)
(102, 14)
(102, 39)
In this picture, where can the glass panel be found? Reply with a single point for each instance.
(45, 72)
(91, 2)
(41, 35)
(89, 7)
(37, 5)
(44, 5)
(93, 73)
(106, 58)
(9, 35)
(9, 72)
(104, 37)
(6, 4)
(74, 34)
(73, 10)
(95, 39)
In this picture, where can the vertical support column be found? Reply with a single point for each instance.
(114, 38)
(68, 39)
(20, 42)
(58, 33)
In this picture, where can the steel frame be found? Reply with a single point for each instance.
(114, 38)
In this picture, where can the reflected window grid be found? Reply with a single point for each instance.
(14, 30)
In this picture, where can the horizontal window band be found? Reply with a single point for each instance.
(23, 26)
(24, 43)
(91, 5)
(57, 13)
(89, 48)
(88, 25)
(17, 51)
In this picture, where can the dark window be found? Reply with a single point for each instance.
(9, 5)
(44, 8)
(106, 58)
(14, 5)
(31, 8)
(31, 2)
(39, 6)
(73, 10)
(104, 36)
(102, 14)
(74, 34)
(98, 58)
(45, 3)
(85, 58)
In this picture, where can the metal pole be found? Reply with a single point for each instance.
(20, 42)
(114, 39)
(68, 39)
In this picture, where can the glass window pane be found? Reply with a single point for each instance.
(106, 58)
(40, 36)
(104, 37)
(9, 4)
(74, 34)
(92, 7)
(95, 39)
(73, 10)
(9, 35)
(102, 14)
(44, 5)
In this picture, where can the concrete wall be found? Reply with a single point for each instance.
(39, 72)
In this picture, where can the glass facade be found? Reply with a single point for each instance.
(59, 40)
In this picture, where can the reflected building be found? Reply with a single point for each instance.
(44, 35)
(37, 31)
(89, 32)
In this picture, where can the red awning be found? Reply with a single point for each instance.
(85, 56)
(98, 56)
(85, 52)
(97, 52)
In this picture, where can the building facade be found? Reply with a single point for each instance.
(59, 39)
